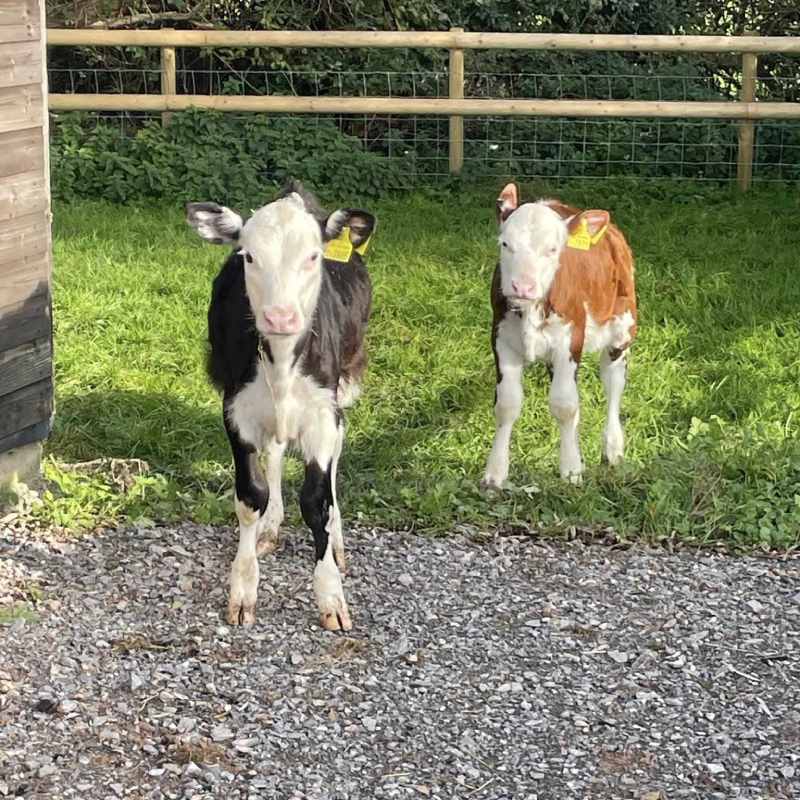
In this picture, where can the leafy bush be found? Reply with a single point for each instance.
(211, 155)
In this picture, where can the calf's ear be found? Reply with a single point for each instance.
(595, 220)
(361, 225)
(216, 224)
(507, 202)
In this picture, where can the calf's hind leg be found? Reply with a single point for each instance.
(336, 522)
(251, 502)
(270, 522)
(613, 372)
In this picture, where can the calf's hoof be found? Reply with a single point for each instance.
(336, 619)
(490, 484)
(239, 613)
(333, 612)
(244, 592)
(575, 478)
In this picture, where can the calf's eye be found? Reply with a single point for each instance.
(248, 258)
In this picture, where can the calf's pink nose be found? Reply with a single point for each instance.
(282, 319)
(527, 291)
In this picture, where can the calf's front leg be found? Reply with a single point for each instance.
(565, 407)
(320, 445)
(251, 502)
(507, 406)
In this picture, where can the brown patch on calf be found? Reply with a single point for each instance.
(598, 281)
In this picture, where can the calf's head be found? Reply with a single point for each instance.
(533, 238)
(282, 247)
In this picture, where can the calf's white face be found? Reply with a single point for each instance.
(531, 241)
(282, 246)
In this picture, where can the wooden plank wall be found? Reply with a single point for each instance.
(26, 350)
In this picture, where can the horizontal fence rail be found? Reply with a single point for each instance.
(287, 104)
(746, 111)
(416, 39)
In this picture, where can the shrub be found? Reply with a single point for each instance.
(211, 155)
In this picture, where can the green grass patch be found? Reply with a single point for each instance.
(710, 405)
(10, 614)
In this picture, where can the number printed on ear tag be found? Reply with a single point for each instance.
(340, 248)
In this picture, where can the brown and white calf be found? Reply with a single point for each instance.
(563, 287)
(286, 327)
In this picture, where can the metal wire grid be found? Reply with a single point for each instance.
(525, 147)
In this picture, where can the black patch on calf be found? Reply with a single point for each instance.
(336, 345)
(316, 500)
(232, 335)
(247, 489)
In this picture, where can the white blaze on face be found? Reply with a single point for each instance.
(282, 249)
(531, 242)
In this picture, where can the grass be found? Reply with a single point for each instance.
(10, 614)
(710, 405)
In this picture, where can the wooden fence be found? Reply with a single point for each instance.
(26, 363)
(746, 109)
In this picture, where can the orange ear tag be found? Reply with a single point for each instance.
(581, 239)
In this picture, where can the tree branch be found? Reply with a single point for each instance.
(133, 20)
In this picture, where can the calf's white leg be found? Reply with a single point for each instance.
(270, 522)
(613, 374)
(244, 570)
(565, 407)
(251, 502)
(507, 406)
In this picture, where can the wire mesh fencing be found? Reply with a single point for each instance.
(524, 147)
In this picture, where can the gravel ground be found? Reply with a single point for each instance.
(508, 669)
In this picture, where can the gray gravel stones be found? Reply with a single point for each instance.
(508, 669)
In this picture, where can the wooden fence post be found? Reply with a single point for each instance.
(456, 91)
(169, 78)
(744, 165)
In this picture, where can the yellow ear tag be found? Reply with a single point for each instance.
(340, 248)
(581, 239)
(362, 248)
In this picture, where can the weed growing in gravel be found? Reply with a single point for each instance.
(711, 400)
(10, 614)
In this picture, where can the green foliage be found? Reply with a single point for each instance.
(711, 404)
(764, 17)
(211, 155)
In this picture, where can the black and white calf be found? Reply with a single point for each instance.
(286, 327)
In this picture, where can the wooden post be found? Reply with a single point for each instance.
(747, 132)
(456, 92)
(169, 78)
